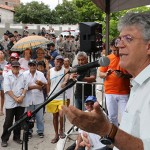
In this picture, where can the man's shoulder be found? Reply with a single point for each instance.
(54, 52)
(26, 72)
(93, 70)
(39, 73)
(9, 73)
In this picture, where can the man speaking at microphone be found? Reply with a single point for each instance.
(116, 85)
(90, 76)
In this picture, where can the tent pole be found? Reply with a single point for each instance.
(107, 10)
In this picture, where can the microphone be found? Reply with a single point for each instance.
(103, 61)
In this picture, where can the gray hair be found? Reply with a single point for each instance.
(82, 54)
(141, 20)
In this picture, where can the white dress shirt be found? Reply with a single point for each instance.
(16, 85)
(34, 96)
(136, 118)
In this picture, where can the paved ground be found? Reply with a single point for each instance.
(36, 143)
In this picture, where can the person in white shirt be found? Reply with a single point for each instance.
(134, 51)
(34, 95)
(15, 88)
(94, 138)
(54, 75)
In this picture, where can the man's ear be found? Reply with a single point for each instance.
(148, 47)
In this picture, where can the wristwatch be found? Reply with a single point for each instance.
(109, 139)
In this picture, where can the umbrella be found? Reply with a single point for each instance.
(29, 42)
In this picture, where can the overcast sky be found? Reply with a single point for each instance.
(51, 3)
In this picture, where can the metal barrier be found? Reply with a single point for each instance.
(83, 84)
(72, 133)
(93, 84)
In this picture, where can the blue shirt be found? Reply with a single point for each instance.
(54, 53)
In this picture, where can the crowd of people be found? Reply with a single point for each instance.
(40, 69)
(28, 77)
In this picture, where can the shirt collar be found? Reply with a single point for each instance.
(11, 74)
(142, 76)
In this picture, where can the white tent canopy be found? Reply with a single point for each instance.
(109, 6)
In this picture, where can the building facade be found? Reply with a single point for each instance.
(11, 3)
(6, 14)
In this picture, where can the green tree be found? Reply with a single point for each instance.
(70, 12)
(114, 18)
(66, 13)
(33, 12)
(88, 12)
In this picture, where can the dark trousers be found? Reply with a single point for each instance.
(10, 113)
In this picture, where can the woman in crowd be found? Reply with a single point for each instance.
(41, 57)
(27, 53)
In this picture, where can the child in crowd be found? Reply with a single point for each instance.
(94, 139)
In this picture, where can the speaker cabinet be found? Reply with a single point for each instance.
(90, 36)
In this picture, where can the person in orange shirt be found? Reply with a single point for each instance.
(116, 85)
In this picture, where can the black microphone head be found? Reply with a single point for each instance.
(104, 61)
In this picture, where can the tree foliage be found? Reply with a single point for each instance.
(88, 12)
(33, 12)
(70, 12)
(67, 13)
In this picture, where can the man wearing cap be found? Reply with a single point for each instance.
(94, 139)
(54, 75)
(13, 57)
(34, 95)
(14, 90)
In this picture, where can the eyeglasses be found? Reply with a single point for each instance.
(126, 39)
(89, 104)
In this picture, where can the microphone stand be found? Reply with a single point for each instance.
(28, 115)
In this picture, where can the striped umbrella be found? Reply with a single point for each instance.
(30, 42)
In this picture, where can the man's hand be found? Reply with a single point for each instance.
(73, 76)
(38, 82)
(85, 141)
(109, 71)
(31, 87)
(118, 73)
(94, 122)
(20, 99)
(63, 84)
